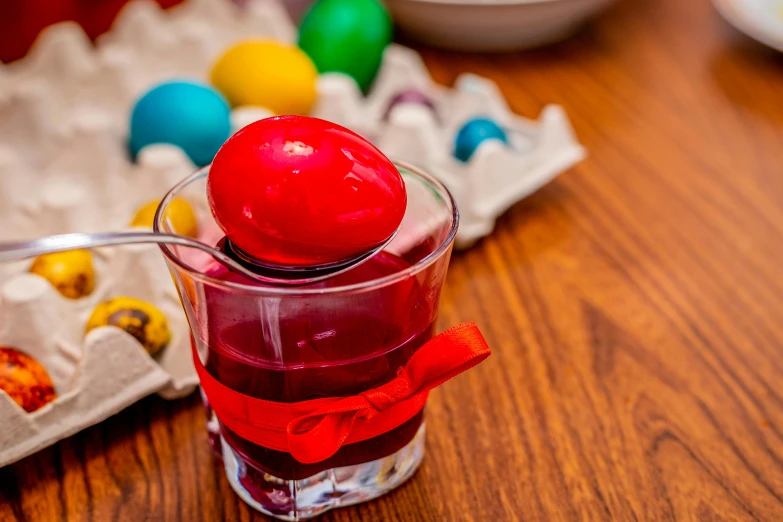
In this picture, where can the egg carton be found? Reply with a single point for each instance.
(105, 371)
(94, 376)
(496, 176)
(64, 167)
(64, 75)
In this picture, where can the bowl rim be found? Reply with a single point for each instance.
(492, 3)
(731, 11)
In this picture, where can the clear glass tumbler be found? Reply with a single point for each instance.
(336, 338)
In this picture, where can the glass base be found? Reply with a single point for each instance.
(336, 487)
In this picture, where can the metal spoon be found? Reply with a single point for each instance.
(265, 274)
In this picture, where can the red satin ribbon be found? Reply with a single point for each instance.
(312, 431)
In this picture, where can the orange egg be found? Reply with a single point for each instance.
(24, 379)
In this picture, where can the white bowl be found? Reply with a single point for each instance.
(491, 25)
(762, 20)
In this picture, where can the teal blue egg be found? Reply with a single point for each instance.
(347, 36)
(473, 133)
(190, 115)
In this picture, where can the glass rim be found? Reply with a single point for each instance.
(370, 284)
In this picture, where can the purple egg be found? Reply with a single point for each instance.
(410, 96)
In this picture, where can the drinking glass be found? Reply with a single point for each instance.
(336, 338)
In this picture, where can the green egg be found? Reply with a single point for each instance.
(347, 36)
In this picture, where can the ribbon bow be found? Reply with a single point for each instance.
(313, 431)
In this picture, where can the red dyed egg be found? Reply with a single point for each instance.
(297, 191)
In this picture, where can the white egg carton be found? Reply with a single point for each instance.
(105, 371)
(94, 377)
(64, 75)
(64, 167)
(495, 177)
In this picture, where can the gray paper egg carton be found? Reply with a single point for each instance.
(64, 167)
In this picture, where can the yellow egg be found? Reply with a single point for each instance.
(71, 273)
(139, 318)
(267, 74)
(179, 212)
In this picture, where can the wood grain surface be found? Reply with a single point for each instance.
(635, 308)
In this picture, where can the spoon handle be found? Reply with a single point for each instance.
(46, 245)
(15, 251)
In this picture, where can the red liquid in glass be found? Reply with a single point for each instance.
(346, 345)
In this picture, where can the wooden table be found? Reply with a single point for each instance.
(635, 308)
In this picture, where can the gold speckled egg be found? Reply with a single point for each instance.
(179, 212)
(139, 318)
(71, 273)
(24, 379)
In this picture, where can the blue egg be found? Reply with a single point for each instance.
(473, 133)
(190, 115)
